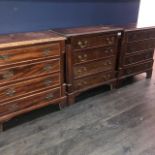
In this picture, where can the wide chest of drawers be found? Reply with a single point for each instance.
(31, 73)
(91, 54)
(137, 50)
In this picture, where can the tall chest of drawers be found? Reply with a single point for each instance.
(91, 54)
(31, 73)
(136, 54)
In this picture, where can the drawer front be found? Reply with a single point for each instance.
(94, 67)
(29, 53)
(99, 40)
(142, 56)
(29, 71)
(136, 68)
(92, 54)
(29, 86)
(142, 45)
(26, 102)
(138, 35)
(93, 80)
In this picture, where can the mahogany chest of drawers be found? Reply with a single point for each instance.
(91, 54)
(137, 50)
(31, 72)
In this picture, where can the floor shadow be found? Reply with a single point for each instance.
(30, 116)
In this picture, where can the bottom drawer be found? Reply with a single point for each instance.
(136, 68)
(96, 79)
(20, 104)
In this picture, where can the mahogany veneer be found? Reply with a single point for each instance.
(91, 57)
(31, 73)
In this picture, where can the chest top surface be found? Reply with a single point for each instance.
(29, 38)
(134, 26)
(69, 32)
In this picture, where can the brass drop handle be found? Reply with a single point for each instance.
(83, 58)
(46, 52)
(48, 82)
(4, 57)
(109, 62)
(47, 68)
(110, 40)
(10, 92)
(82, 69)
(7, 75)
(83, 44)
(49, 96)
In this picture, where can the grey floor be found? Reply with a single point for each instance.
(118, 122)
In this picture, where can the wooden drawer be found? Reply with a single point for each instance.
(92, 54)
(142, 67)
(143, 34)
(99, 40)
(28, 86)
(142, 45)
(29, 70)
(26, 102)
(94, 67)
(140, 56)
(29, 53)
(93, 80)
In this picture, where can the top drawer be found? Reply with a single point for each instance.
(137, 35)
(100, 40)
(29, 53)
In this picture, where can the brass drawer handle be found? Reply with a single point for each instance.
(83, 44)
(110, 40)
(4, 57)
(47, 68)
(82, 69)
(109, 62)
(10, 92)
(82, 83)
(48, 82)
(46, 52)
(49, 96)
(7, 75)
(83, 58)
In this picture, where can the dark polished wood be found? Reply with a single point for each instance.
(91, 55)
(136, 52)
(31, 73)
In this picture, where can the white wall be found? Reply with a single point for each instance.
(146, 15)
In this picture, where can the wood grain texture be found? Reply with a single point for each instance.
(94, 67)
(93, 54)
(25, 102)
(31, 73)
(89, 51)
(137, 48)
(29, 53)
(22, 72)
(29, 38)
(105, 123)
(30, 86)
